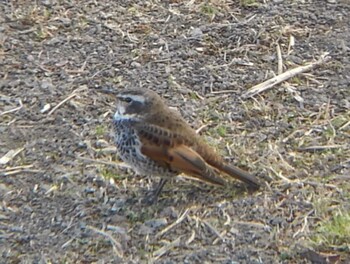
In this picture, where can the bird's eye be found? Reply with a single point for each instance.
(127, 99)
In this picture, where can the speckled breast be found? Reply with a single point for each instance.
(129, 150)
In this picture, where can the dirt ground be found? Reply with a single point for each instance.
(65, 197)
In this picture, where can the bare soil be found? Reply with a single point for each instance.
(65, 197)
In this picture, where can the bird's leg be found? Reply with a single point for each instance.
(151, 198)
(159, 188)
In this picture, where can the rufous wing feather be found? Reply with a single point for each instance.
(193, 158)
(182, 159)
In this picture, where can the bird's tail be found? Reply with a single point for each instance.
(240, 175)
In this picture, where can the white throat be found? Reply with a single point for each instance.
(118, 116)
(121, 115)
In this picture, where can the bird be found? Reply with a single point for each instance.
(155, 140)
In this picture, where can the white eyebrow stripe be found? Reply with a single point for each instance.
(137, 98)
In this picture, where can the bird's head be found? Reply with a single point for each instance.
(137, 104)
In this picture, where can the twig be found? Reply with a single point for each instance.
(223, 91)
(320, 148)
(10, 155)
(279, 59)
(280, 175)
(201, 128)
(344, 126)
(160, 252)
(14, 109)
(52, 189)
(117, 247)
(198, 95)
(212, 229)
(61, 103)
(316, 184)
(233, 61)
(302, 229)
(17, 168)
(178, 221)
(291, 44)
(68, 242)
(72, 95)
(114, 164)
(220, 238)
(27, 31)
(251, 224)
(8, 173)
(191, 238)
(282, 77)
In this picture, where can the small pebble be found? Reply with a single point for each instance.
(156, 223)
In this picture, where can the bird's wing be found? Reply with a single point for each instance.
(188, 156)
(169, 148)
(160, 136)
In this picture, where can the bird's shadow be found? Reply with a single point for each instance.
(187, 193)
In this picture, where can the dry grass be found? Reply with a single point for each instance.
(66, 197)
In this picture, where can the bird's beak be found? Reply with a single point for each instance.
(107, 90)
